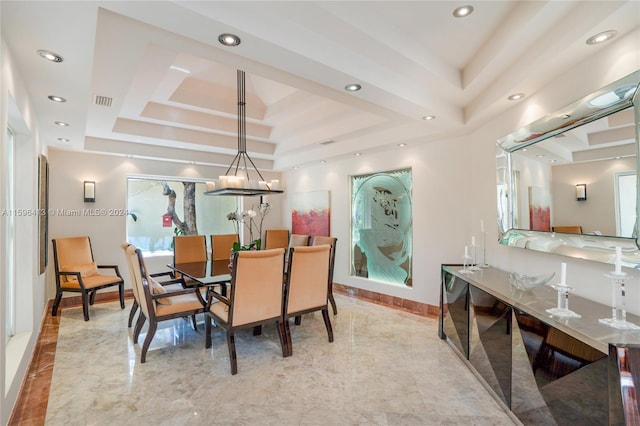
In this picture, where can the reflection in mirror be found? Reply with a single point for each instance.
(567, 183)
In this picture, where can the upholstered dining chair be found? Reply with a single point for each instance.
(276, 238)
(168, 284)
(189, 248)
(256, 298)
(332, 241)
(156, 303)
(76, 271)
(298, 240)
(222, 245)
(306, 285)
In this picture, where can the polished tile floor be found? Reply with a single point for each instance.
(385, 367)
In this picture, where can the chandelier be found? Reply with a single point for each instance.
(236, 179)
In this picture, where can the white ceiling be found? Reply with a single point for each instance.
(412, 58)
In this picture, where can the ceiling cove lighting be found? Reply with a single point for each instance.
(228, 39)
(55, 98)
(463, 11)
(50, 56)
(236, 184)
(601, 37)
(353, 87)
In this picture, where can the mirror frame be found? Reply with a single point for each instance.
(582, 246)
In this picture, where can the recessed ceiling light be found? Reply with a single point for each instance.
(402, 145)
(552, 161)
(601, 37)
(296, 167)
(429, 117)
(565, 116)
(516, 96)
(353, 87)
(61, 123)
(55, 98)
(525, 149)
(64, 140)
(50, 56)
(177, 68)
(229, 39)
(462, 11)
(539, 155)
(358, 154)
(323, 161)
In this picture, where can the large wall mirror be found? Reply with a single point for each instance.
(568, 183)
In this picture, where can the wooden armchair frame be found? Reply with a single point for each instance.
(77, 272)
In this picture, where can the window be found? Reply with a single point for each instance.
(9, 243)
(151, 228)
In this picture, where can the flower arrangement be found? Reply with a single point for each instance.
(253, 220)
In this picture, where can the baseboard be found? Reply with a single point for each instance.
(407, 305)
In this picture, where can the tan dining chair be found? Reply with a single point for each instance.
(222, 245)
(168, 284)
(276, 238)
(256, 298)
(77, 272)
(298, 240)
(187, 249)
(156, 302)
(571, 229)
(306, 287)
(332, 241)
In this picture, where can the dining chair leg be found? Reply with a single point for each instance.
(333, 304)
(92, 299)
(193, 321)
(327, 323)
(207, 331)
(56, 303)
(147, 341)
(138, 328)
(85, 305)
(297, 320)
(285, 337)
(134, 308)
(231, 343)
(121, 291)
(257, 330)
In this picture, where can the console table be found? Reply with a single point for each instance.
(546, 370)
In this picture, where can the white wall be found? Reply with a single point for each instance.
(67, 172)
(16, 112)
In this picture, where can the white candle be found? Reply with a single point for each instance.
(224, 181)
(466, 251)
(563, 273)
(275, 184)
(473, 241)
(482, 225)
(262, 184)
(211, 186)
(618, 260)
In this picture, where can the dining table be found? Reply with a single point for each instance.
(204, 273)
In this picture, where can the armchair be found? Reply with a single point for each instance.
(156, 303)
(76, 271)
(306, 286)
(256, 298)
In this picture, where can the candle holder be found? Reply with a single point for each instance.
(618, 303)
(466, 269)
(474, 264)
(562, 310)
(484, 250)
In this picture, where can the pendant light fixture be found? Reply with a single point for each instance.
(240, 184)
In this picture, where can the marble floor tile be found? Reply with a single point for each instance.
(385, 367)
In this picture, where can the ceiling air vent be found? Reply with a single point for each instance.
(103, 100)
(327, 142)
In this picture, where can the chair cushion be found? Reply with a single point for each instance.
(157, 288)
(181, 303)
(93, 281)
(220, 310)
(86, 270)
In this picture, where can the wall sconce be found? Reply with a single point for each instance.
(89, 191)
(581, 192)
